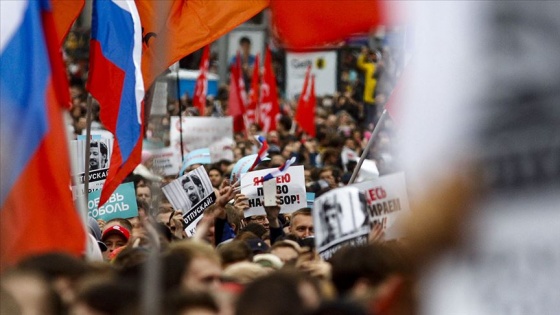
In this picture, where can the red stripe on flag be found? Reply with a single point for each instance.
(38, 215)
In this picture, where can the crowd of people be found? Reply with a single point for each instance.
(234, 264)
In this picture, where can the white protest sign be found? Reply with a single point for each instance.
(222, 150)
(290, 187)
(340, 218)
(99, 160)
(166, 161)
(192, 193)
(387, 202)
(199, 132)
(323, 66)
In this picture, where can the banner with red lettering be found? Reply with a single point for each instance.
(289, 186)
(387, 202)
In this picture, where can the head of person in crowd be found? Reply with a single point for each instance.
(278, 293)
(115, 236)
(233, 252)
(144, 210)
(245, 46)
(301, 224)
(216, 176)
(286, 250)
(257, 224)
(144, 193)
(192, 265)
(31, 293)
(329, 175)
(98, 155)
(108, 297)
(194, 188)
(376, 276)
(244, 272)
(185, 302)
(61, 271)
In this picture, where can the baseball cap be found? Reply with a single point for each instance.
(116, 229)
(257, 245)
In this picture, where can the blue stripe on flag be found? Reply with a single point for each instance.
(24, 73)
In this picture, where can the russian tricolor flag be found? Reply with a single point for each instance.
(115, 80)
(37, 214)
(280, 170)
(263, 152)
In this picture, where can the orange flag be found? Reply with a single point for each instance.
(305, 112)
(64, 14)
(184, 26)
(201, 87)
(311, 23)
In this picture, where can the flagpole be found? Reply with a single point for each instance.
(180, 112)
(374, 133)
(88, 150)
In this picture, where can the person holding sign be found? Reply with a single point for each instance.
(194, 188)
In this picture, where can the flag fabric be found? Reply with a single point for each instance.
(268, 109)
(237, 97)
(65, 13)
(115, 80)
(37, 214)
(262, 154)
(184, 26)
(201, 87)
(305, 111)
(279, 171)
(324, 21)
(253, 106)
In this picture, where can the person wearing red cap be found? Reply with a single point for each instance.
(114, 237)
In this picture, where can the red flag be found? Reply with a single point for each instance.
(37, 214)
(269, 108)
(324, 21)
(252, 114)
(201, 87)
(237, 96)
(305, 111)
(184, 26)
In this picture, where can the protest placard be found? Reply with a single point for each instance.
(166, 161)
(340, 218)
(199, 132)
(222, 150)
(121, 204)
(99, 161)
(387, 201)
(192, 193)
(290, 186)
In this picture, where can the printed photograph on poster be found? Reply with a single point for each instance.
(99, 160)
(340, 218)
(192, 193)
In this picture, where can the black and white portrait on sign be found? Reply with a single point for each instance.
(98, 155)
(189, 190)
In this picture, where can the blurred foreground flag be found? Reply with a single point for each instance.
(180, 27)
(115, 80)
(37, 214)
(310, 23)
